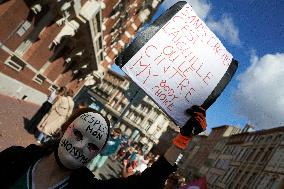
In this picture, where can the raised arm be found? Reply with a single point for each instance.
(156, 175)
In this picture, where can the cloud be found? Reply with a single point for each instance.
(260, 92)
(201, 7)
(226, 28)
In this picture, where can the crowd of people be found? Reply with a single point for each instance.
(133, 158)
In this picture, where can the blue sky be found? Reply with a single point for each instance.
(253, 32)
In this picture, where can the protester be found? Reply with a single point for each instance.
(128, 168)
(137, 166)
(84, 135)
(50, 125)
(110, 148)
(133, 156)
(122, 150)
(44, 109)
(142, 162)
(129, 150)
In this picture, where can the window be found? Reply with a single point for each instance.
(53, 87)
(109, 89)
(102, 56)
(113, 12)
(155, 115)
(39, 79)
(113, 103)
(258, 154)
(23, 47)
(267, 155)
(228, 175)
(261, 139)
(222, 164)
(104, 86)
(15, 63)
(245, 175)
(98, 18)
(269, 138)
(119, 94)
(251, 154)
(125, 83)
(236, 151)
(270, 183)
(126, 113)
(148, 126)
(99, 44)
(244, 156)
(132, 117)
(142, 107)
(251, 179)
(120, 108)
(137, 119)
(259, 181)
(24, 28)
(278, 137)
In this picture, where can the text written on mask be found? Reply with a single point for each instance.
(73, 151)
(93, 124)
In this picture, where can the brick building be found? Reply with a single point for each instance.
(47, 44)
(252, 160)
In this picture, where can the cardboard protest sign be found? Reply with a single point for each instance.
(179, 62)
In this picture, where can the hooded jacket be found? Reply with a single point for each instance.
(16, 160)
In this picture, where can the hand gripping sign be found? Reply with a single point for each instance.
(179, 62)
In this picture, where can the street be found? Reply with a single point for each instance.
(14, 115)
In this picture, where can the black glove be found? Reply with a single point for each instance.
(197, 123)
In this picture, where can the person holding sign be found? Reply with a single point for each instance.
(182, 56)
(84, 136)
(178, 62)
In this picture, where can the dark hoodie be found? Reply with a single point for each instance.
(16, 160)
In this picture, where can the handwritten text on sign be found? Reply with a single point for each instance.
(180, 65)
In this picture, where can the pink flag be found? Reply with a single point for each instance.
(196, 184)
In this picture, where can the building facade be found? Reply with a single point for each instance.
(47, 44)
(252, 160)
(129, 108)
(190, 156)
(196, 160)
(166, 139)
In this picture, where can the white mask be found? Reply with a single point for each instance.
(83, 140)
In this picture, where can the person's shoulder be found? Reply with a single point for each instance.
(13, 149)
(32, 148)
(35, 148)
(16, 152)
(81, 176)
